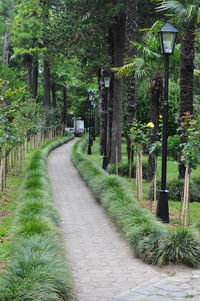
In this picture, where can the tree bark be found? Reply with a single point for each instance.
(35, 77)
(101, 112)
(131, 35)
(47, 85)
(186, 80)
(119, 44)
(110, 102)
(156, 96)
(6, 46)
(28, 60)
(64, 105)
(53, 90)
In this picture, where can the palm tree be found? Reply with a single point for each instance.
(186, 14)
(147, 65)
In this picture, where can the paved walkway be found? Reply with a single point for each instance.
(102, 263)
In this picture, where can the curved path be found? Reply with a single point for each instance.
(102, 263)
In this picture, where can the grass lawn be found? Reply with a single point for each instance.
(172, 172)
(7, 205)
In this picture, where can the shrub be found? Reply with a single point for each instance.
(175, 188)
(173, 147)
(123, 169)
(148, 237)
(37, 269)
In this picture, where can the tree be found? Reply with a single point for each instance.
(26, 39)
(6, 11)
(119, 44)
(131, 35)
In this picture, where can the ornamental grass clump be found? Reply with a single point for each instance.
(37, 268)
(180, 245)
(149, 238)
(176, 187)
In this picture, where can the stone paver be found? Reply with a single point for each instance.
(102, 263)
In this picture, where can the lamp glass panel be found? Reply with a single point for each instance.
(168, 41)
(90, 95)
(107, 81)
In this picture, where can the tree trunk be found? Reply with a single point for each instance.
(110, 119)
(47, 97)
(131, 35)
(101, 112)
(119, 42)
(35, 77)
(156, 96)
(186, 80)
(6, 46)
(110, 103)
(64, 105)
(53, 90)
(28, 60)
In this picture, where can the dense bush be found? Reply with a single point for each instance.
(37, 269)
(148, 237)
(123, 169)
(173, 147)
(175, 188)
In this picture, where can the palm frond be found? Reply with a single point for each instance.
(175, 7)
(137, 68)
(147, 50)
(198, 15)
(126, 70)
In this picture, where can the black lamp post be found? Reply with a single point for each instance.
(167, 36)
(90, 97)
(93, 115)
(107, 85)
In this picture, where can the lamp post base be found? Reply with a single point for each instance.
(105, 162)
(89, 152)
(162, 211)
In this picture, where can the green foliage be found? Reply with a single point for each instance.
(139, 134)
(37, 269)
(123, 169)
(19, 114)
(150, 240)
(190, 132)
(175, 188)
(174, 147)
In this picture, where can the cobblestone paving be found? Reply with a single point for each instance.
(102, 263)
(182, 285)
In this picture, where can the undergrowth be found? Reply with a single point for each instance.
(149, 238)
(37, 268)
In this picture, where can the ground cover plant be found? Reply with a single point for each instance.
(37, 269)
(8, 199)
(150, 239)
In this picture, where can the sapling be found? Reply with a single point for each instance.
(155, 150)
(139, 135)
(190, 157)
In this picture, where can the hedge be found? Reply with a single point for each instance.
(149, 238)
(37, 268)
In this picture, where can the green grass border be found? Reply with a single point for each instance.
(37, 269)
(150, 240)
